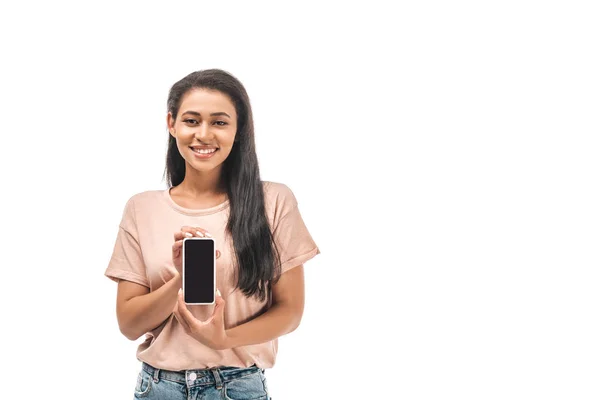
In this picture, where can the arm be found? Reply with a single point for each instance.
(283, 317)
(139, 310)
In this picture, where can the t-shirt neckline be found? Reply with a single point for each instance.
(193, 211)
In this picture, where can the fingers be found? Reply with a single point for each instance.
(177, 246)
(187, 231)
(197, 231)
(180, 313)
(190, 231)
(201, 232)
(179, 235)
(219, 307)
(219, 304)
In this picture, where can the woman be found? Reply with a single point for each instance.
(222, 350)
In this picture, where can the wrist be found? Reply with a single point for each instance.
(177, 280)
(230, 340)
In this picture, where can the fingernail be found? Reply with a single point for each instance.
(208, 234)
(219, 293)
(188, 234)
(179, 292)
(199, 234)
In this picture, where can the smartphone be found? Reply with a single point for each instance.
(199, 270)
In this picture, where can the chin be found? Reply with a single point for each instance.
(203, 166)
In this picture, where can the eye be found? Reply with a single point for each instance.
(190, 121)
(221, 123)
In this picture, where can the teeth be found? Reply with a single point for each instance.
(204, 151)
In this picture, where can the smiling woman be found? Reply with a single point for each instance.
(206, 129)
(221, 350)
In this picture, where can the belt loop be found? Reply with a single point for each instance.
(217, 376)
(156, 375)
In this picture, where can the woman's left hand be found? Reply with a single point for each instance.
(210, 332)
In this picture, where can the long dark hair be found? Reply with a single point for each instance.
(256, 255)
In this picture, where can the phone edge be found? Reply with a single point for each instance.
(214, 270)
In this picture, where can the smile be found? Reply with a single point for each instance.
(203, 153)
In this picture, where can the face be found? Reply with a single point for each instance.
(204, 129)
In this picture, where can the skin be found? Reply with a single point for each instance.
(139, 310)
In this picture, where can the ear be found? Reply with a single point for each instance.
(171, 124)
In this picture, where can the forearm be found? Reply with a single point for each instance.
(279, 320)
(143, 313)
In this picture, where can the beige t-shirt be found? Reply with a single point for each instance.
(142, 254)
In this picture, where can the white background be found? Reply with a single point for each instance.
(445, 156)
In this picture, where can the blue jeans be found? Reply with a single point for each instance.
(214, 383)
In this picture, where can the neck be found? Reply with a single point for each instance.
(200, 183)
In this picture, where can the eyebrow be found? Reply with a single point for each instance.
(212, 115)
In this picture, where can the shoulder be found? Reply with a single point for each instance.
(278, 191)
(279, 199)
(148, 196)
(139, 203)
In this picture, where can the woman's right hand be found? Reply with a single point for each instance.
(186, 231)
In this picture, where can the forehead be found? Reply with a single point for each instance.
(206, 101)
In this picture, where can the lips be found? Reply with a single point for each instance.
(204, 150)
(204, 153)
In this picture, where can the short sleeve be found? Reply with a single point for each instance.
(293, 240)
(126, 262)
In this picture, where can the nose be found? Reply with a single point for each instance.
(203, 133)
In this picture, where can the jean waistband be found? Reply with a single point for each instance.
(208, 376)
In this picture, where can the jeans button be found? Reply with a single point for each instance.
(193, 376)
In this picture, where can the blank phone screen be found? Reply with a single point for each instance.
(199, 270)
